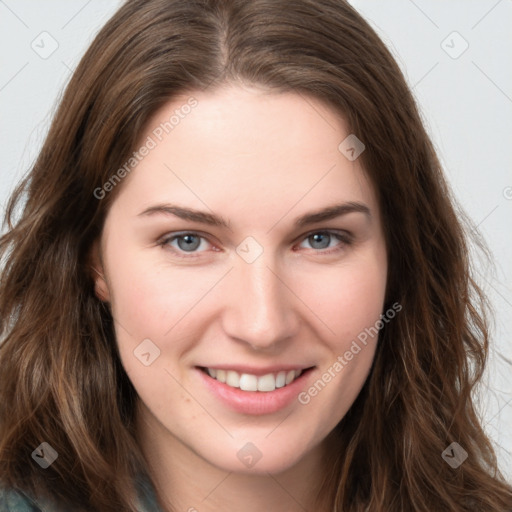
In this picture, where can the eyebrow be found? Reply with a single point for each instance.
(322, 215)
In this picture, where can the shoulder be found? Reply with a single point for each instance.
(13, 500)
(146, 493)
(16, 500)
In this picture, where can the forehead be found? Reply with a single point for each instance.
(242, 149)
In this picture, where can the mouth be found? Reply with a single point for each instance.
(251, 382)
(248, 393)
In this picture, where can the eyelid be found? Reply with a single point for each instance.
(332, 231)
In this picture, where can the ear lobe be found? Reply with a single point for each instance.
(100, 284)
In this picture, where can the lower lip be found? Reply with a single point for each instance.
(256, 402)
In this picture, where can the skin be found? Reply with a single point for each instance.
(259, 160)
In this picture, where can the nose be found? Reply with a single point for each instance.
(259, 305)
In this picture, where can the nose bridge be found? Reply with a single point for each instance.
(259, 310)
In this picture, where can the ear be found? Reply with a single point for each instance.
(98, 275)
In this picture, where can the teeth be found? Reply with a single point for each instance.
(232, 379)
(266, 382)
(281, 379)
(248, 382)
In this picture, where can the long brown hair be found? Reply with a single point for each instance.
(61, 380)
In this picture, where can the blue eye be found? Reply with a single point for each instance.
(190, 242)
(322, 239)
(187, 242)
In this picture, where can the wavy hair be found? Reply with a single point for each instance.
(62, 381)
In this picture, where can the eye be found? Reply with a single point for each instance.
(320, 240)
(187, 242)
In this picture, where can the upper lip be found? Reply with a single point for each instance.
(259, 371)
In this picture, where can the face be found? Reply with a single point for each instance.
(215, 255)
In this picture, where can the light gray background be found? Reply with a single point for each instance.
(465, 99)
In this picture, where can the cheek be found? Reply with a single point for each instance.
(350, 303)
(347, 298)
(167, 305)
(148, 296)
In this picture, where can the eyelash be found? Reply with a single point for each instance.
(343, 237)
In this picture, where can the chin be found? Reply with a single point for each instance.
(256, 458)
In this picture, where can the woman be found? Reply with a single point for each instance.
(173, 337)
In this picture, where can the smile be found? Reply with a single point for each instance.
(268, 392)
(250, 382)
